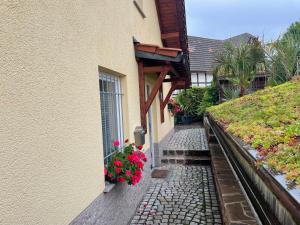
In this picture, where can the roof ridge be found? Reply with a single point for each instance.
(245, 33)
(190, 36)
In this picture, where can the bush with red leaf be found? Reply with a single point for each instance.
(127, 164)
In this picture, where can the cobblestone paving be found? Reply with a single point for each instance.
(188, 139)
(187, 196)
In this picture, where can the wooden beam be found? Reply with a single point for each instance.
(169, 35)
(142, 95)
(165, 102)
(161, 101)
(157, 69)
(156, 87)
(179, 84)
(153, 69)
(173, 79)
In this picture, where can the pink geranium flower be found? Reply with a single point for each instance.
(116, 143)
(127, 172)
(121, 179)
(118, 163)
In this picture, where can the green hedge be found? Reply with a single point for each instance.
(196, 100)
(190, 99)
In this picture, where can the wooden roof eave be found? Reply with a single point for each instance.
(157, 57)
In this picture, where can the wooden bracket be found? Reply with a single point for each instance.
(177, 84)
(156, 87)
(145, 104)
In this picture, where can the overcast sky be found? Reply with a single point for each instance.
(220, 19)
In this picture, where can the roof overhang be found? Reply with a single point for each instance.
(172, 22)
(153, 52)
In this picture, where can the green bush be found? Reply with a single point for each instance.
(190, 99)
(210, 98)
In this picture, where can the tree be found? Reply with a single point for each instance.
(239, 64)
(282, 55)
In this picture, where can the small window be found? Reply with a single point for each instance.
(139, 5)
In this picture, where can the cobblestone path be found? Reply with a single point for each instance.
(187, 196)
(188, 139)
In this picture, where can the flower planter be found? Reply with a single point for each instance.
(272, 197)
(186, 119)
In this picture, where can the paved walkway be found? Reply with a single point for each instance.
(187, 195)
(186, 138)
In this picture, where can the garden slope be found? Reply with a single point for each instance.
(269, 120)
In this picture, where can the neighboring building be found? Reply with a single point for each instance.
(202, 59)
(74, 77)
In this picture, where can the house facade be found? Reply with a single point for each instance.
(202, 57)
(75, 76)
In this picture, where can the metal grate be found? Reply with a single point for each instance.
(111, 112)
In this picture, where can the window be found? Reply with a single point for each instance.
(201, 79)
(111, 112)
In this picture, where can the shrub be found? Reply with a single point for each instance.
(210, 98)
(190, 99)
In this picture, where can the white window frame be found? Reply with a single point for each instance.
(116, 94)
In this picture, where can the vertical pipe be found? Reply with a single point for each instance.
(142, 95)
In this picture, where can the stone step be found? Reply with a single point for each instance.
(186, 160)
(186, 153)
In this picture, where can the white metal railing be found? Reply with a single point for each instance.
(111, 112)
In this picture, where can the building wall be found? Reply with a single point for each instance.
(201, 79)
(51, 159)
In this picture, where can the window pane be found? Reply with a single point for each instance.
(194, 78)
(209, 77)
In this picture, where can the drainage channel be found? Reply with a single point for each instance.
(255, 200)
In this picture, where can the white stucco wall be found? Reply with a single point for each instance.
(51, 159)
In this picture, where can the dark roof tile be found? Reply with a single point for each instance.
(203, 51)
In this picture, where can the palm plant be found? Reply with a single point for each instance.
(231, 92)
(282, 57)
(239, 64)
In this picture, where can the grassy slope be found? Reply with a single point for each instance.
(269, 120)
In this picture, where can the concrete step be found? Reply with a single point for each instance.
(186, 160)
(186, 153)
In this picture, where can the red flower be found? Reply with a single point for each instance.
(133, 158)
(140, 147)
(138, 173)
(127, 172)
(116, 143)
(143, 157)
(135, 179)
(126, 140)
(121, 179)
(118, 170)
(105, 171)
(140, 165)
(110, 175)
(118, 163)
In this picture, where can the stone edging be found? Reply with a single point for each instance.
(275, 196)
